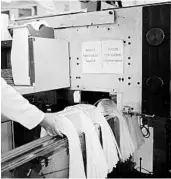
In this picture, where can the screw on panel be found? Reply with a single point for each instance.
(129, 77)
(122, 79)
(129, 37)
(97, 26)
(108, 28)
(129, 83)
(77, 63)
(110, 12)
(77, 58)
(129, 63)
(78, 86)
(124, 41)
(138, 83)
(129, 43)
(129, 58)
(119, 79)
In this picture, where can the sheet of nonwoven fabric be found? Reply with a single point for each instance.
(127, 147)
(76, 164)
(114, 124)
(110, 147)
(126, 144)
(96, 163)
(135, 131)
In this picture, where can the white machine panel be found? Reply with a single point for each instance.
(51, 64)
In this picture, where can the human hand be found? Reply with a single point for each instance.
(50, 125)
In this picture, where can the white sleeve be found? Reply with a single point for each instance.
(17, 108)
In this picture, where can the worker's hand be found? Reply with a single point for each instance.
(50, 125)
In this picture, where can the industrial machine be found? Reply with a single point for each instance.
(121, 53)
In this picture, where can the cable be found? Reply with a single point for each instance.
(147, 135)
(142, 126)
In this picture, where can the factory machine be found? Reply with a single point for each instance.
(122, 54)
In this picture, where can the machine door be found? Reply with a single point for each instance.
(51, 64)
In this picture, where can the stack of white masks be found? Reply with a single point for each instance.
(135, 131)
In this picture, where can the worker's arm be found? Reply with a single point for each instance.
(17, 108)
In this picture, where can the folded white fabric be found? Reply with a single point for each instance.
(127, 148)
(76, 165)
(110, 146)
(96, 163)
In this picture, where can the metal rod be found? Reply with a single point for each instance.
(30, 151)
(28, 157)
(24, 148)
